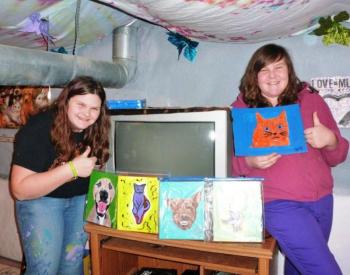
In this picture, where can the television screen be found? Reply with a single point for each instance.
(179, 148)
(194, 144)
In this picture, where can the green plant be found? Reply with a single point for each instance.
(332, 30)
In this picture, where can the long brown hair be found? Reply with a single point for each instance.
(96, 136)
(262, 57)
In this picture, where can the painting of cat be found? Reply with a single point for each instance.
(271, 131)
(266, 130)
(141, 203)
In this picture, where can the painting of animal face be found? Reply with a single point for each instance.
(18, 103)
(271, 131)
(41, 99)
(184, 210)
(103, 194)
(140, 202)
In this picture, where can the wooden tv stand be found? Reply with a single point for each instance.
(123, 253)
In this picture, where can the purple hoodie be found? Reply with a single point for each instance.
(304, 176)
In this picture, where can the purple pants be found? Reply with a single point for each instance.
(302, 231)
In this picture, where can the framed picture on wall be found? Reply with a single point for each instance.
(261, 131)
(335, 90)
(18, 103)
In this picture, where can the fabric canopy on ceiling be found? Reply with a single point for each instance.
(20, 22)
(237, 21)
(233, 21)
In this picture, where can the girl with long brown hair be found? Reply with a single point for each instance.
(54, 155)
(297, 188)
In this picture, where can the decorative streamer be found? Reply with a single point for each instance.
(39, 26)
(182, 42)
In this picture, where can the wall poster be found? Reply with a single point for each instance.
(17, 103)
(336, 92)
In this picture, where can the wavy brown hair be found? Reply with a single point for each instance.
(262, 57)
(96, 136)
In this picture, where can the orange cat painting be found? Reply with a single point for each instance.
(271, 131)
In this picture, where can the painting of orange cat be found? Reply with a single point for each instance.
(271, 131)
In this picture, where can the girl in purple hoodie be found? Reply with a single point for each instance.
(298, 187)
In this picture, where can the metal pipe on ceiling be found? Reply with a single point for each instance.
(28, 67)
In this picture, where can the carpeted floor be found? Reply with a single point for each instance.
(9, 270)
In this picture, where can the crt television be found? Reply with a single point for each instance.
(193, 142)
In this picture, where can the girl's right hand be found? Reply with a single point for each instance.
(262, 162)
(84, 164)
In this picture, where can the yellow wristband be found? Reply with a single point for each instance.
(73, 169)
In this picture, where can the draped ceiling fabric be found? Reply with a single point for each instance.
(19, 28)
(235, 21)
(36, 23)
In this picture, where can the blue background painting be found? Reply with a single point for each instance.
(175, 188)
(244, 123)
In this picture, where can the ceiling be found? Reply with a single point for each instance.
(52, 24)
(234, 21)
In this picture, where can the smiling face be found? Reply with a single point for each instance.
(83, 111)
(273, 80)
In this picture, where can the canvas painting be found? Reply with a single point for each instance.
(208, 209)
(237, 210)
(17, 104)
(261, 131)
(138, 198)
(102, 199)
(181, 209)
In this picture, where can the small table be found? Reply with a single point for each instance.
(123, 253)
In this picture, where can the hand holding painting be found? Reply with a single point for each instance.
(320, 136)
(262, 162)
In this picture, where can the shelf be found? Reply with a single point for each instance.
(262, 250)
(122, 252)
(206, 260)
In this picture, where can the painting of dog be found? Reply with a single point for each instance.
(181, 210)
(237, 210)
(184, 210)
(102, 193)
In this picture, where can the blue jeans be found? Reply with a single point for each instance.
(52, 234)
(302, 231)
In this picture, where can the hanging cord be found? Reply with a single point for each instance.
(76, 29)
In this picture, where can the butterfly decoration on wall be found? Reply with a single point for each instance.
(183, 43)
(40, 26)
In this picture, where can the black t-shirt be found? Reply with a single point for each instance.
(34, 150)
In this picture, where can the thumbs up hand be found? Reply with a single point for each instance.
(84, 164)
(320, 136)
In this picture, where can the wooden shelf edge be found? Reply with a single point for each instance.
(212, 261)
(262, 250)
